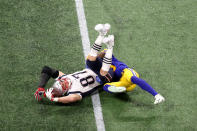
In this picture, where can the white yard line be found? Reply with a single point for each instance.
(86, 48)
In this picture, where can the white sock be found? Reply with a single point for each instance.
(107, 60)
(96, 47)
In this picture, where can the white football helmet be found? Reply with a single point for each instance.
(62, 85)
(58, 86)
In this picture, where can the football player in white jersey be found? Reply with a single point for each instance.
(72, 87)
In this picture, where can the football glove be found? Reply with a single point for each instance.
(158, 99)
(38, 94)
(50, 96)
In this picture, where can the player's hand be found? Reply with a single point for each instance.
(38, 94)
(50, 96)
(158, 99)
(103, 73)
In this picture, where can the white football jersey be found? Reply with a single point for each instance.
(83, 82)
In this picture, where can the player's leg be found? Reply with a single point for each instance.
(107, 59)
(133, 77)
(96, 66)
(102, 29)
(145, 86)
(128, 73)
(93, 61)
(124, 84)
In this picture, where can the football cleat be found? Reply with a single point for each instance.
(102, 28)
(109, 41)
(115, 89)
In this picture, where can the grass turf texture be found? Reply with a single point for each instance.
(33, 34)
(159, 39)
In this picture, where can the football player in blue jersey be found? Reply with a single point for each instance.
(124, 79)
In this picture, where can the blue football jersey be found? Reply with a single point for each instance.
(118, 67)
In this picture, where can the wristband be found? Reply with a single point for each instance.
(55, 99)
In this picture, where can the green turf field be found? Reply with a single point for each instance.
(34, 34)
(156, 37)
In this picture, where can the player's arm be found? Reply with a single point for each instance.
(46, 74)
(65, 99)
(70, 99)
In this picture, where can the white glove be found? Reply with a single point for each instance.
(50, 96)
(158, 99)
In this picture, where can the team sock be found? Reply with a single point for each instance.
(96, 47)
(107, 60)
